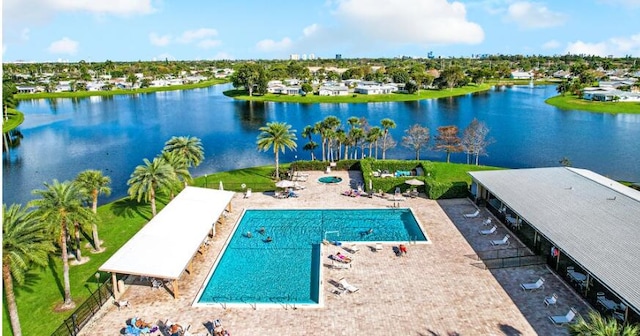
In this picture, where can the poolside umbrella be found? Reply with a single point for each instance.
(414, 182)
(284, 184)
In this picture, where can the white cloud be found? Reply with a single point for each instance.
(269, 45)
(163, 57)
(64, 46)
(533, 15)
(24, 35)
(579, 48)
(616, 46)
(159, 41)
(222, 56)
(208, 44)
(410, 22)
(553, 44)
(310, 30)
(116, 7)
(198, 34)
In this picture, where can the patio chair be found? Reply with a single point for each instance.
(503, 241)
(472, 215)
(378, 247)
(551, 300)
(487, 221)
(248, 193)
(353, 248)
(533, 285)
(560, 320)
(347, 286)
(122, 304)
(156, 284)
(489, 231)
(340, 265)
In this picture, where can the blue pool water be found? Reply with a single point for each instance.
(287, 269)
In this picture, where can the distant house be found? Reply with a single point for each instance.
(283, 89)
(521, 75)
(609, 94)
(562, 74)
(333, 90)
(27, 89)
(372, 88)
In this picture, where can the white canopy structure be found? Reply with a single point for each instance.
(165, 246)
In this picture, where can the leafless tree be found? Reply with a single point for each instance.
(448, 141)
(387, 143)
(416, 138)
(475, 140)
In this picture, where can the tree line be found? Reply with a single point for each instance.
(358, 139)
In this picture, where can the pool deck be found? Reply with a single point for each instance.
(436, 289)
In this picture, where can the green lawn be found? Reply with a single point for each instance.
(573, 102)
(359, 98)
(84, 94)
(121, 220)
(15, 119)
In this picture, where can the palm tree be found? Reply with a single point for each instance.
(372, 137)
(59, 205)
(278, 135)
(599, 325)
(93, 183)
(190, 148)
(146, 180)
(180, 168)
(307, 132)
(329, 129)
(386, 125)
(24, 243)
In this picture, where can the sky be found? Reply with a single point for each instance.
(146, 30)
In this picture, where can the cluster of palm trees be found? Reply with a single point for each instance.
(339, 142)
(44, 226)
(168, 172)
(55, 220)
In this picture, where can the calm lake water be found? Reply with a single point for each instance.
(63, 137)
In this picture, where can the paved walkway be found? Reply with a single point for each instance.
(436, 289)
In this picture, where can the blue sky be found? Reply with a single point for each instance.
(131, 30)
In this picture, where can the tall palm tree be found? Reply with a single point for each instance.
(24, 244)
(278, 135)
(596, 324)
(92, 184)
(188, 147)
(386, 125)
(307, 132)
(59, 205)
(146, 180)
(330, 126)
(180, 168)
(372, 137)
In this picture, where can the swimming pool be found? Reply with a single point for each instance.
(330, 179)
(287, 269)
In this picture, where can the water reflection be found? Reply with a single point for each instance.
(65, 136)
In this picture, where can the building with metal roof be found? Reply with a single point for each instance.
(591, 220)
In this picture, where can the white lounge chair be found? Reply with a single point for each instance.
(347, 286)
(354, 248)
(533, 285)
(560, 320)
(378, 247)
(487, 221)
(503, 241)
(248, 193)
(551, 300)
(472, 215)
(122, 304)
(340, 265)
(489, 231)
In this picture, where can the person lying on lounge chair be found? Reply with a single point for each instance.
(175, 330)
(341, 257)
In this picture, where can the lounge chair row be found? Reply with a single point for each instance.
(551, 300)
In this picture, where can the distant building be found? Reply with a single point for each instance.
(312, 56)
(294, 57)
(338, 56)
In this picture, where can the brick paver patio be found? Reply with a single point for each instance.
(436, 289)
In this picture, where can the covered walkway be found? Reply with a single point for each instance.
(166, 245)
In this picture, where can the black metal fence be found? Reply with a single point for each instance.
(511, 257)
(72, 325)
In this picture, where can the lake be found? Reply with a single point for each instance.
(63, 137)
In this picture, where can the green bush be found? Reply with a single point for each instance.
(443, 190)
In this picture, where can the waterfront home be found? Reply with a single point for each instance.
(333, 90)
(521, 75)
(371, 88)
(609, 93)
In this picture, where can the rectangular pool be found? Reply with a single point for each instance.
(286, 270)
